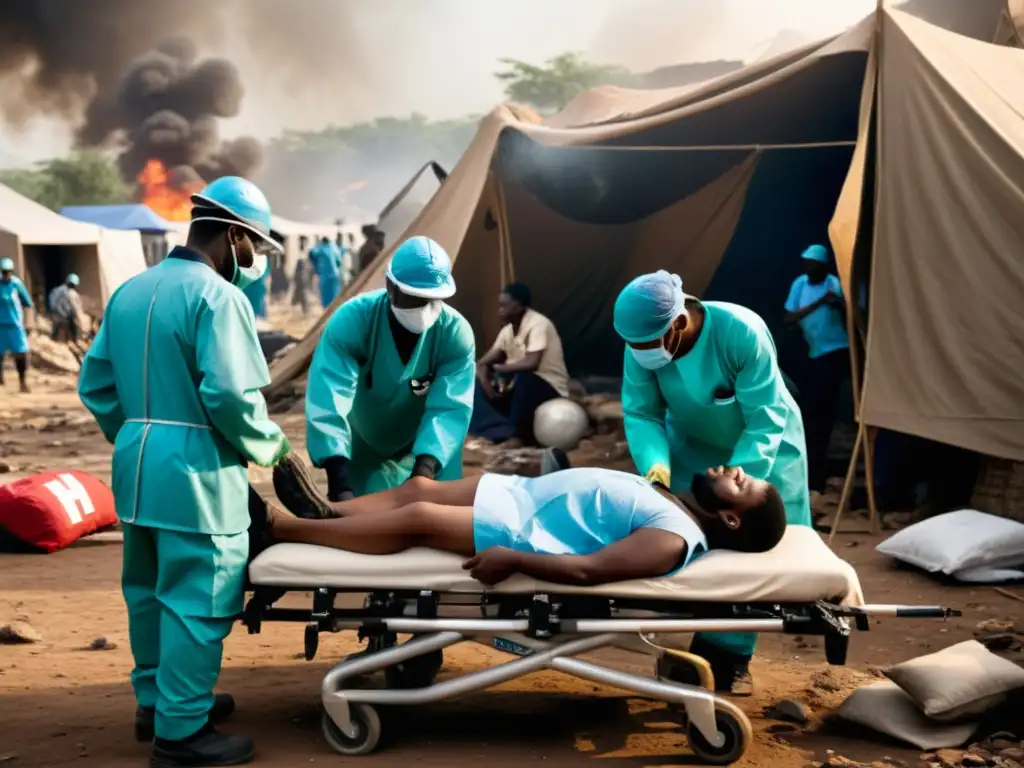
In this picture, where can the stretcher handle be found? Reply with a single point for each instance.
(904, 611)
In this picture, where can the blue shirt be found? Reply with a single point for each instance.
(13, 297)
(823, 328)
(574, 512)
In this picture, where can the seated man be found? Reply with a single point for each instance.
(584, 526)
(523, 370)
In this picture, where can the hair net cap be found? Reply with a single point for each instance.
(816, 253)
(242, 201)
(420, 267)
(72, 279)
(647, 306)
(6, 265)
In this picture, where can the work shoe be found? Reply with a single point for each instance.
(206, 747)
(223, 707)
(296, 489)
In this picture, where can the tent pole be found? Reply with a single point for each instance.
(851, 474)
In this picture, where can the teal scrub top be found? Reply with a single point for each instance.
(173, 378)
(326, 259)
(13, 299)
(823, 328)
(364, 404)
(723, 403)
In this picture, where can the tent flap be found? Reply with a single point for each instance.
(945, 355)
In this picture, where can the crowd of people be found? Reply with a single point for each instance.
(725, 456)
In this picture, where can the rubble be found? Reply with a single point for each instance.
(19, 633)
(790, 711)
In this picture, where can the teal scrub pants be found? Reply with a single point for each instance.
(183, 592)
(744, 643)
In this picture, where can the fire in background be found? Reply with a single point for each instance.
(167, 107)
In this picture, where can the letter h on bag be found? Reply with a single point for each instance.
(72, 496)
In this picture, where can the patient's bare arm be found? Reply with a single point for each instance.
(645, 553)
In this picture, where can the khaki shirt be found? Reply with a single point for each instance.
(536, 334)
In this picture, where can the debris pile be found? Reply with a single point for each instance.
(1003, 750)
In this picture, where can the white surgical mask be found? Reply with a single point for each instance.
(243, 277)
(418, 320)
(651, 359)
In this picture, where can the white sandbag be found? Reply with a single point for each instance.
(989, 575)
(560, 423)
(958, 541)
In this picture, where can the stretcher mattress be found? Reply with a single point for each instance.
(801, 569)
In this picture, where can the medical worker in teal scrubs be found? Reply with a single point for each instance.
(390, 390)
(14, 303)
(702, 388)
(173, 379)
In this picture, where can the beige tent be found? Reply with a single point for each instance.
(46, 247)
(724, 183)
(404, 207)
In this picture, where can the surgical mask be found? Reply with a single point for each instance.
(651, 359)
(243, 277)
(418, 320)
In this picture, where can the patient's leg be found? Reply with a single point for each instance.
(298, 491)
(421, 524)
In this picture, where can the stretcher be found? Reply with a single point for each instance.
(800, 587)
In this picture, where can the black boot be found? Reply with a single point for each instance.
(223, 708)
(732, 672)
(297, 490)
(206, 747)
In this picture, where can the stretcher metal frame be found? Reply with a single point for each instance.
(544, 631)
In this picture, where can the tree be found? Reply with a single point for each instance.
(549, 87)
(84, 178)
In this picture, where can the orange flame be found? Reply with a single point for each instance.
(173, 203)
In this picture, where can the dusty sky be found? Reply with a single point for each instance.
(437, 57)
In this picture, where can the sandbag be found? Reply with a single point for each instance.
(52, 510)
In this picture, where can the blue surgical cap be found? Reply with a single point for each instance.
(421, 267)
(647, 306)
(816, 253)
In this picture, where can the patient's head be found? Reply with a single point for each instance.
(738, 512)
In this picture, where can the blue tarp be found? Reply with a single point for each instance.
(136, 216)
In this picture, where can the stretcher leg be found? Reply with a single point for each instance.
(719, 731)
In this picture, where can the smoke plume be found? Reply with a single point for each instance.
(108, 67)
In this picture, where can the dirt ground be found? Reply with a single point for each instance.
(62, 704)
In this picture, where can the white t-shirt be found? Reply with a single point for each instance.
(536, 334)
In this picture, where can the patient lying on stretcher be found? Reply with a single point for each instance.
(584, 526)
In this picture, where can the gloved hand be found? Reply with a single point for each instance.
(660, 475)
(425, 466)
(338, 486)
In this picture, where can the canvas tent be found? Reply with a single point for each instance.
(152, 228)
(725, 182)
(398, 214)
(46, 247)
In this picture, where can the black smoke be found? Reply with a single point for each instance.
(167, 106)
(125, 73)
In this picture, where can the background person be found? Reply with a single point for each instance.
(522, 370)
(815, 303)
(15, 307)
(326, 261)
(390, 390)
(702, 388)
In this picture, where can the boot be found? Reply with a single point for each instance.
(223, 708)
(731, 672)
(206, 747)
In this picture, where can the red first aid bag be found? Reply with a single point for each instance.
(53, 510)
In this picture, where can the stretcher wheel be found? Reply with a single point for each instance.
(738, 736)
(367, 723)
(418, 672)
